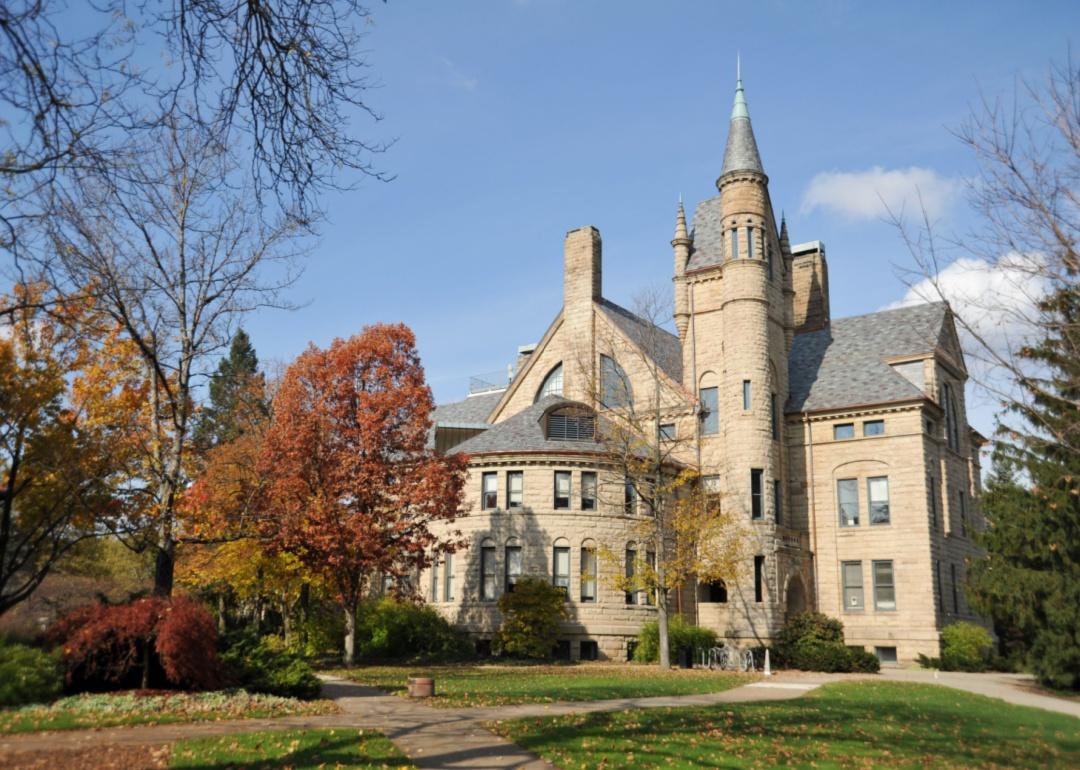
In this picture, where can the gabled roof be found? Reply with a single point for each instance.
(644, 334)
(524, 432)
(843, 365)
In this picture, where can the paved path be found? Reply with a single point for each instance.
(1013, 688)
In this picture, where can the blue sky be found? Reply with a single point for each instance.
(517, 121)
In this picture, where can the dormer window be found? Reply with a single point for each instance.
(571, 424)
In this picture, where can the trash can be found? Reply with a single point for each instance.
(686, 657)
(421, 687)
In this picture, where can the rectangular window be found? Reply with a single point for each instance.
(562, 489)
(933, 503)
(735, 243)
(710, 485)
(746, 395)
(885, 655)
(631, 574)
(490, 491)
(710, 411)
(435, 578)
(778, 501)
(590, 650)
(629, 497)
(847, 493)
(853, 589)
(873, 428)
(884, 586)
(955, 593)
(588, 491)
(846, 430)
(513, 566)
(515, 489)
(667, 431)
(755, 493)
(650, 560)
(940, 591)
(487, 573)
(749, 243)
(768, 255)
(588, 574)
(759, 578)
(561, 573)
(963, 514)
(448, 578)
(877, 493)
(774, 417)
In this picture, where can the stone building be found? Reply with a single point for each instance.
(840, 444)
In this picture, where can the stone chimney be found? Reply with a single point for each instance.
(581, 269)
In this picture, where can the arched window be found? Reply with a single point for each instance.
(560, 562)
(614, 384)
(512, 563)
(589, 571)
(552, 385)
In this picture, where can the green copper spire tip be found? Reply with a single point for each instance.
(739, 109)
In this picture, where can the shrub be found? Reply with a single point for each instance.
(812, 641)
(149, 642)
(965, 647)
(399, 630)
(811, 654)
(27, 675)
(531, 614)
(261, 665)
(863, 662)
(680, 634)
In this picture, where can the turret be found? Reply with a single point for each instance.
(680, 244)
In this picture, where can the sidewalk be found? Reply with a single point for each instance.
(1012, 688)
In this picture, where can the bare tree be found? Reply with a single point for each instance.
(1026, 198)
(176, 251)
(681, 530)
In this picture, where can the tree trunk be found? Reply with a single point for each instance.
(146, 664)
(221, 613)
(350, 636)
(662, 628)
(164, 564)
(286, 621)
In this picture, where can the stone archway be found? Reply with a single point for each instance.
(796, 597)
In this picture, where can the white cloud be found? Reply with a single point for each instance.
(457, 78)
(871, 194)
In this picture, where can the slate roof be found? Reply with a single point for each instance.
(741, 152)
(707, 235)
(843, 364)
(668, 351)
(474, 410)
(524, 432)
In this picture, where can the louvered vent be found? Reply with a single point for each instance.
(571, 427)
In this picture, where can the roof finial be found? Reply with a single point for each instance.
(739, 108)
(680, 224)
(738, 67)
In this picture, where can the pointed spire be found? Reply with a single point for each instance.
(680, 224)
(741, 153)
(785, 244)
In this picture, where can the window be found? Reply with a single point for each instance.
(846, 430)
(955, 594)
(778, 501)
(948, 404)
(711, 485)
(448, 578)
(746, 395)
(885, 655)
(749, 243)
(877, 492)
(562, 650)
(734, 243)
(933, 503)
(588, 572)
(562, 489)
(710, 411)
(490, 494)
(853, 593)
(650, 560)
(435, 578)
(667, 431)
(487, 571)
(755, 493)
(768, 255)
(940, 591)
(873, 428)
(588, 491)
(590, 650)
(884, 587)
(759, 578)
(774, 418)
(614, 385)
(552, 384)
(716, 592)
(561, 573)
(515, 488)
(629, 497)
(847, 492)
(631, 574)
(513, 565)
(963, 513)
(572, 424)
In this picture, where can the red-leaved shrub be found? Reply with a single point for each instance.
(148, 642)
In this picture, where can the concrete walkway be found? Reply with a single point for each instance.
(1020, 689)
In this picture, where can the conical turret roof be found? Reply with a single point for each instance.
(741, 153)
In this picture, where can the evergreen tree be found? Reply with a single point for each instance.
(236, 388)
(1029, 580)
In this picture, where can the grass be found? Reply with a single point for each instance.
(501, 685)
(113, 709)
(840, 725)
(295, 749)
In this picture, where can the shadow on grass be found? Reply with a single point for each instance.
(338, 751)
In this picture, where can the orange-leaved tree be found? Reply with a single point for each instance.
(354, 486)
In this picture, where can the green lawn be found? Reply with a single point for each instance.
(295, 749)
(841, 725)
(109, 710)
(501, 685)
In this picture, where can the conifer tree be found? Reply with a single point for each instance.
(1029, 580)
(236, 385)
